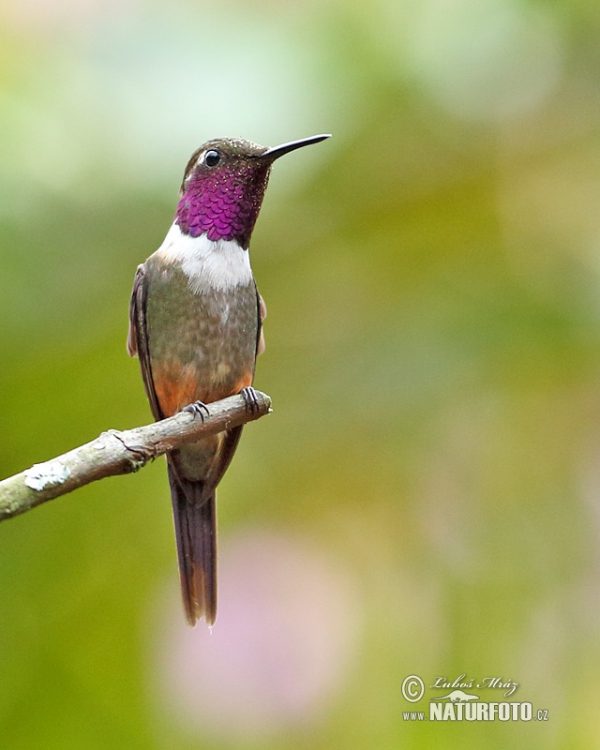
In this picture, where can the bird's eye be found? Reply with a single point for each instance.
(212, 158)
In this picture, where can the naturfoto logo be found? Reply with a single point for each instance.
(460, 704)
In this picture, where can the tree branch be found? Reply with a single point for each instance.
(121, 452)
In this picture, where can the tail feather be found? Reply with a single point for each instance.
(196, 533)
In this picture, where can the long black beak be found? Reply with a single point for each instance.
(285, 148)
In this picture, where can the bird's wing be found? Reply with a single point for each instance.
(137, 339)
(262, 314)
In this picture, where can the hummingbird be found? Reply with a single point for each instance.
(195, 323)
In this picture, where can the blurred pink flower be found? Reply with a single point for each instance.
(281, 647)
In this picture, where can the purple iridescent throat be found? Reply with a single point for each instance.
(223, 203)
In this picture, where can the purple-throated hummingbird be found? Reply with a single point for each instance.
(196, 326)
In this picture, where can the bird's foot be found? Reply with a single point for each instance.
(197, 409)
(251, 399)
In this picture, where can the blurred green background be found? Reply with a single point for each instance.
(425, 498)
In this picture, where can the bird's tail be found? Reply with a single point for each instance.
(195, 519)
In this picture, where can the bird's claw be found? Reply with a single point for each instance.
(251, 399)
(197, 409)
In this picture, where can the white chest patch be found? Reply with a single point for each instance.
(222, 264)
